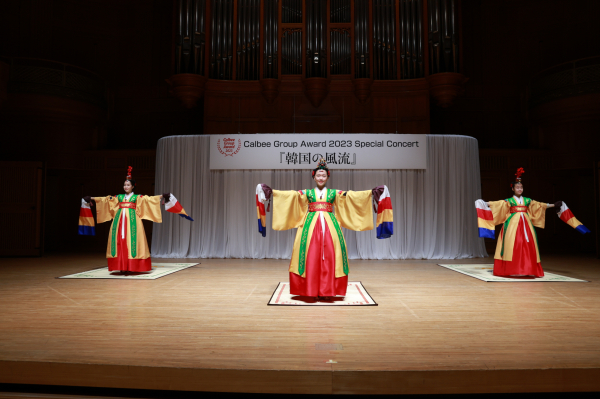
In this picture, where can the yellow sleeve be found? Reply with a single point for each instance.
(500, 210)
(289, 209)
(148, 207)
(537, 213)
(106, 208)
(354, 210)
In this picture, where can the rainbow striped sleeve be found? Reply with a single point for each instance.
(260, 210)
(485, 220)
(175, 207)
(567, 216)
(385, 215)
(87, 226)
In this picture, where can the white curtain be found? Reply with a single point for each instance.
(434, 215)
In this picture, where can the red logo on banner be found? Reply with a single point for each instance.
(229, 147)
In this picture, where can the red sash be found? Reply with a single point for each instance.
(320, 207)
(130, 205)
(520, 208)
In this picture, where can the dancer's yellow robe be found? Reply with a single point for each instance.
(535, 215)
(146, 207)
(353, 210)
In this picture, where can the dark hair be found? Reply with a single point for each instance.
(314, 172)
(131, 181)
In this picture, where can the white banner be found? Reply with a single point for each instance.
(303, 151)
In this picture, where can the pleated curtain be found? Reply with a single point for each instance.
(434, 212)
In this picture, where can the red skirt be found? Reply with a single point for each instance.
(524, 261)
(320, 269)
(122, 261)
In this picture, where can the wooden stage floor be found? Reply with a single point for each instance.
(208, 328)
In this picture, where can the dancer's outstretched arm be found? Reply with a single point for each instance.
(289, 207)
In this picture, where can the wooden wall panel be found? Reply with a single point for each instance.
(420, 125)
(232, 107)
(400, 106)
(413, 106)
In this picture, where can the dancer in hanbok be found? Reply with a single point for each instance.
(127, 249)
(517, 251)
(319, 265)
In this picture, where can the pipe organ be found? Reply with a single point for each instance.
(316, 45)
(250, 39)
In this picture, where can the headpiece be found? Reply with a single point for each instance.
(518, 175)
(129, 169)
(322, 165)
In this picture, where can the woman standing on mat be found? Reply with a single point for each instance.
(517, 251)
(127, 249)
(319, 264)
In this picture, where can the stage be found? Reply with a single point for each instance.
(208, 328)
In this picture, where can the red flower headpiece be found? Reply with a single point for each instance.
(129, 169)
(322, 165)
(519, 173)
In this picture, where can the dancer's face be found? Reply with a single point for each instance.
(321, 178)
(127, 186)
(518, 189)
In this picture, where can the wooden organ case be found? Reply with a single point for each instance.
(335, 66)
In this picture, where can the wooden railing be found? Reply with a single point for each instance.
(565, 80)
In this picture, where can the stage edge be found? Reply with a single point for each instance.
(301, 381)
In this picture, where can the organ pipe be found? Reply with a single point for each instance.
(316, 39)
(384, 39)
(270, 38)
(221, 57)
(411, 43)
(442, 36)
(340, 51)
(248, 28)
(361, 39)
(190, 36)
